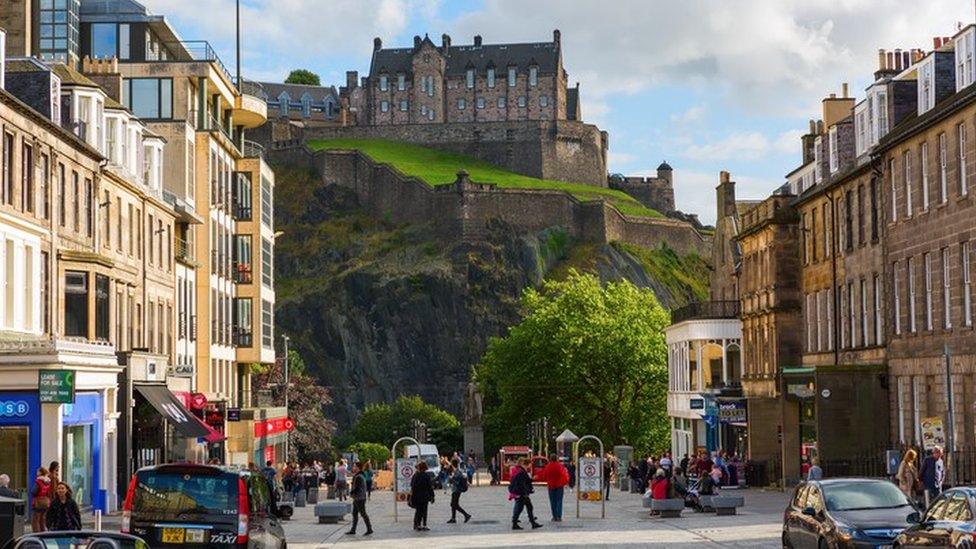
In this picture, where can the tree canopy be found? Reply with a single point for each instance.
(591, 358)
(303, 76)
(384, 423)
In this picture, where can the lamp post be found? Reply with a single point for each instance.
(287, 433)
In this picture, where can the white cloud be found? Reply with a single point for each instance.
(788, 142)
(737, 146)
(694, 191)
(693, 115)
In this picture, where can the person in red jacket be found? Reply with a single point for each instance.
(659, 487)
(556, 477)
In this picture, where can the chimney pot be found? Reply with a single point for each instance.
(445, 42)
(813, 127)
(908, 60)
(833, 96)
(556, 36)
(416, 41)
(881, 60)
(723, 176)
(936, 43)
(477, 40)
(843, 89)
(891, 60)
(377, 44)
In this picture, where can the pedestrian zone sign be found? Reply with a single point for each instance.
(405, 468)
(590, 473)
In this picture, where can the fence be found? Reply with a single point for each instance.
(960, 464)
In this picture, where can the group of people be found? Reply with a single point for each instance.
(296, 478)
(53, 506)
(921, 482)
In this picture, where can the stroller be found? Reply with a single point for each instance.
(693, 498)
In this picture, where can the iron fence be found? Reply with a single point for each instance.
(960, 464)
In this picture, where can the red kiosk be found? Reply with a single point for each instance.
(508, 457)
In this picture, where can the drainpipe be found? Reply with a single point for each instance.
(834, 243)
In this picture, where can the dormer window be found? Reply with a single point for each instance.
(834, 151)
(384, 83)
(401, 81)
(491, 77)
(283, 100)
(533, 75)
(469, 78)
(511, 77)
(817, 159)
(926, 85)
(965, 45)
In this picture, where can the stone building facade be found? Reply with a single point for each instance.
(657, 193)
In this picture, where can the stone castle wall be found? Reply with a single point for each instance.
(656, 193)
(462, 210)
(565, 150)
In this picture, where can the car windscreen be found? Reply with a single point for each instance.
(856, 496)
(185, 493)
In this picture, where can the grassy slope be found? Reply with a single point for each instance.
(683, 275)
(440, 168)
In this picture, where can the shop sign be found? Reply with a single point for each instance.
(800, 390)
(14, 408)
(198, 401)
(274, 426)
(214, 417)
(732, 412)
(181, 370)
(696, 404)
(590, 477)
(56, 386)
(233, 414)
(933, 433)
(405, 468)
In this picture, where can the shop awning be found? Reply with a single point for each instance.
(173, 410)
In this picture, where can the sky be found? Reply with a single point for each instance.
(707, 85)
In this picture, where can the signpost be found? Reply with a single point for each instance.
(56, 386)
(593, 476)
(403, 474)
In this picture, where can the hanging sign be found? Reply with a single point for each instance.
(56, 386)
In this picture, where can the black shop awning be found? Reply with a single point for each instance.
(173, 410)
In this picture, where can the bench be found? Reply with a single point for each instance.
(668, 508)
(726, 505)
(331, 512)
(705, 504)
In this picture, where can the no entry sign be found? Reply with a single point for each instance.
(405, 468)
(590, 477)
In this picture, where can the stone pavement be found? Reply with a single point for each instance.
(627, 524)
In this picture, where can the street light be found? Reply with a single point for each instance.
(287, 433)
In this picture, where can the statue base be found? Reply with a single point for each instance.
(474, 441)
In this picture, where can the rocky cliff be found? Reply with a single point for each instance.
(380, 310)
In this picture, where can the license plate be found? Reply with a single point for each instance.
(883, 547)
(195, 535)
(174, 535)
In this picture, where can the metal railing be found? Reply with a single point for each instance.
(706, 310)
(242, 212)
(183, 251)
(193, 328)
(243, 337)
(253, 150)
(243, 273)
(250, 87)
(197, 50)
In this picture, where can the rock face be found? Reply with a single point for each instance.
(379, 311)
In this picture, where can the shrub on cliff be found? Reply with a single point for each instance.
(591, 358)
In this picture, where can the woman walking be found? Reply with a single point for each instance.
(459, 485)
(341, 485)
(421, 495)
(63, 513)
(521, 488)
(368, 474)
(907, 477)
(41, 494)
(359, 493)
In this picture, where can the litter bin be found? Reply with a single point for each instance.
(11, 519)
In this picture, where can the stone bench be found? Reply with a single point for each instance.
(727, 505)
(331, 512)
(668, 508)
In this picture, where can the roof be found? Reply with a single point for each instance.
(460, 58)
(273, 89)
(71, 77)
(665, 166)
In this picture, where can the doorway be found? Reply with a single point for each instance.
(14, 456)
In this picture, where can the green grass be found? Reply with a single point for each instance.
(440, 168)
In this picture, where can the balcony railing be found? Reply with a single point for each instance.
(706, 310)
(251, 87)
(242, 273)
(242, 212)
(183, 251)
(181, 327)
(197, 50)
(253, 150)
(193, 327)
(243, 337)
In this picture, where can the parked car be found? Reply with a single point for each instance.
(81, 539)
(846, 513)
(188, 505)
(948, 522)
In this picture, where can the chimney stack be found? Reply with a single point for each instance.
(881, 60)
(556, 37)
(477, 40)
(377, 44)
(936, 42)
(445, 43)
(352, 80)
(843, 90)
(416, 41)
(723, 176)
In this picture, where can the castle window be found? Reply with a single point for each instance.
(543, 100)
(384, 82)
(430, 115)
(533, 76)
(384, 106)
(501, 102)
(404, 105)
(423, 110)
(469, 78)
(511, 77)
(461, 104)
(481, 102)
(521, 101)
(401, 81)
(491, 77)
(429, 81)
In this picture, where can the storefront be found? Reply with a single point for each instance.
(258, 435)
(20, 438)
(81, 443)
(733, 429)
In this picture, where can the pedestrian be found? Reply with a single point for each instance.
(368, 475)
(659, 487)
(521, 487)
(459, 485)
(684, 463)
(493, 471)
(679, 483)
(815, 472)
(358, 494)
(269, 472)
(63, 513)
(41, 495)
(470, 467)
(932, 474)
(907, 476)
(666, 463)
(642, 473)
(5, 490)
(571, 467)
(341, 484)
(54, 472)
(607, 472)
(556, 477)
(421, 495)
(287, 478)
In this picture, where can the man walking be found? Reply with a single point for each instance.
(521, 488)
(358, 495)
(556, 477)
(932, 474)
(459, 485)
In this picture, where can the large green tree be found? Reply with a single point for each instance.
(590, 357)
(303, 76)
(384, 423)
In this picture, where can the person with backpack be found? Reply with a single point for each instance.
(41, 500)
(459, 485)
(556, 477)
(421, 495)
(520, 489)
(358, 493)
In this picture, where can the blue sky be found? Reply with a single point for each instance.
(707, 85)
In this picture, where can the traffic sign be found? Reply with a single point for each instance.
(590, 477)
(405, 469)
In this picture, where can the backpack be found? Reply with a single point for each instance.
(461, 482)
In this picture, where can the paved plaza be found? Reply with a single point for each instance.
(627, 524)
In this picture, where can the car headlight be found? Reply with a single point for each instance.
(846, 533)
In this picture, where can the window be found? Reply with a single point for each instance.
(44, 183)
(896, 294)
(76, 304)
(841, 321)
(851, 314)
(480, 102)
(267, 324)
(461, 104)
(267, 253)
(430, 115)
(830, 319)
(150, 98)
(860, 215)
(401, 82)
(242, 322)
(242, 259)
(926, 85)
(810, 322)
(76, 203)
(104, 40)
(834, 150)
(963, 187)
(469, 78)
(818, 159)
(533, 76)
(384, 106)
(943, 169)
(8, 168)
(543, 100)
(924, 167)
(894, 191)
(911, 295)
(864, 313)
(877, 310)
(404, 105)
(501, 103)
(384, 83)
(27, 178)
(825, 232)
(58, 29)
(521, 101)
(267, 203)
(511, 77)
(906, 161)
(62, 195)
(927, 265)
(125, 45)
(946, 291)
(805, 245)
(89, 208)
(102, 310)
(967, 295)
(491, 77)
(964, 60)
(849, 220)
(874, 210)
(812, 239)
(819, 321)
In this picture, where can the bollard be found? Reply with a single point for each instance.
(300, 499)
(98, 520)
(313, 495)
